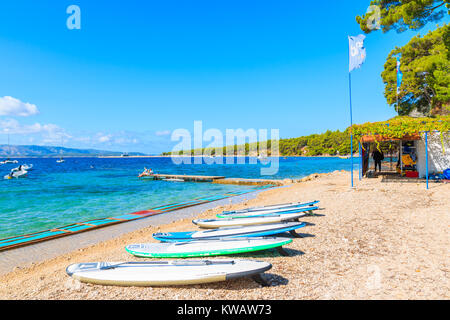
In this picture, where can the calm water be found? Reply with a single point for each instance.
(87, 188)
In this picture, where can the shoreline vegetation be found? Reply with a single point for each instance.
(330, 143)
(399, 255)
(333, 143)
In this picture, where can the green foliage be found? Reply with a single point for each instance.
(405, 14)
(402, 126)
(426, 75)
(328, 143)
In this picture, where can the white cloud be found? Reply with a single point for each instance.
(163, 133)
(104, 138)
(49, 133)
(10, 106)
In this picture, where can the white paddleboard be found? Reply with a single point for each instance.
(233, 232)
(234, 222)
(275, 207)
(274, 212)
(203, 248)
(164, 273)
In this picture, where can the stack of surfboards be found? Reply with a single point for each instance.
(242, 231)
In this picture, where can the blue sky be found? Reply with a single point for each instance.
(137, 70)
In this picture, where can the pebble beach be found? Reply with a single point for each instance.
(376, 241)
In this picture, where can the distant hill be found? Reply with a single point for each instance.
(49, 151)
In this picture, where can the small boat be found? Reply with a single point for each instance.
(147, 173)
(18, 172)
(61, 160)
(8, 161)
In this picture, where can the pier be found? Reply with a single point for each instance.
(250, 182)
(187, 177)
(220, 180)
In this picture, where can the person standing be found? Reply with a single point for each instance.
(377, 156)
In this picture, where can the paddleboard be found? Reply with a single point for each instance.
(204, 248)
(266, 213)
(250, 221)
(235, 232)
(275, 207)
(165, 273)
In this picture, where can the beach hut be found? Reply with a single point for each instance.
(421, 147)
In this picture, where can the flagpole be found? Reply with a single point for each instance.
(351, 124)
(397, 102)
(396, 91)
(357, 55)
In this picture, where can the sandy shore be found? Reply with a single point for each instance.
(378, 241)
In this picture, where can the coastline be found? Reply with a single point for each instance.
(393, 236)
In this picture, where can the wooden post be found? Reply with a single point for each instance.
(401, 158)
(360, 161)
(426, 156)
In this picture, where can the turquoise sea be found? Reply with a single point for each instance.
(81, 189)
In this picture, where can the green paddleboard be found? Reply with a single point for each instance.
(205, 248)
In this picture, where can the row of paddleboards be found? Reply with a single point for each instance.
(224, 236)
(254, 218)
